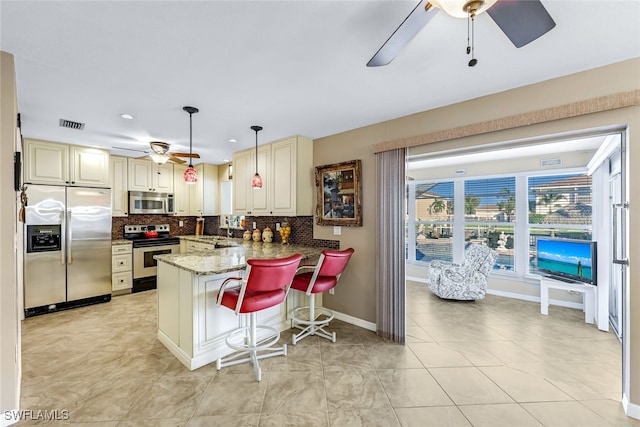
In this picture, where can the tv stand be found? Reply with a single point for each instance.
(588, 292)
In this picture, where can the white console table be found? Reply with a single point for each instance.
(588, 292)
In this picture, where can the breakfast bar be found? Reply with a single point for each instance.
(190, 324)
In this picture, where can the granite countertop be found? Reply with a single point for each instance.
(222, 260)
(218, 240)
(121, 242)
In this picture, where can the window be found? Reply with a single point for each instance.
(489, 214)
(559, 206)
(433, 209)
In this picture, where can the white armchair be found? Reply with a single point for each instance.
(466, 281)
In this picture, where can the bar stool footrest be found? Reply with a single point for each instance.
(301, 319)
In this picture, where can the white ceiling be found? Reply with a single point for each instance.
(294, 67)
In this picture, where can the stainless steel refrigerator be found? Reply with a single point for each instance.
(67, 260)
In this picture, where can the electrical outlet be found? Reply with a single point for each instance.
(181, 223)
(255, 225)
(337, 231)
(277, 226)
(332, 291)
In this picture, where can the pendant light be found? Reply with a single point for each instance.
(190, 174)
(256, 182)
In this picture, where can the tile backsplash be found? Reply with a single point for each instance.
(301, 227)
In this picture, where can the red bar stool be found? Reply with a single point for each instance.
(324, 276)
(266, 285)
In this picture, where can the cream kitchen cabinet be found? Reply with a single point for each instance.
(247, 200)
(89, 166)
(121, 268)
(119, 194)
(181, 191)
(61, 164)
(203, 195)
(146, 175)
(197, 199)
(286, 168)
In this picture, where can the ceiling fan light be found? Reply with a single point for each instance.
(460, 8)
(160, 159)
(256, 182)
(190, 175)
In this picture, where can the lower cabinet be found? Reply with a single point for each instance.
(121, 269)
(191, 325)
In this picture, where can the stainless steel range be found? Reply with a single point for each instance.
(149, 240)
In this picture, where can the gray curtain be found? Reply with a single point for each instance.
(390, 277)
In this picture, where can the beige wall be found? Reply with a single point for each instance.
(356, 294)
(9, 325)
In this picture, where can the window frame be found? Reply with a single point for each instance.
(521, 226)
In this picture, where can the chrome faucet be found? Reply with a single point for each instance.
(229, 233)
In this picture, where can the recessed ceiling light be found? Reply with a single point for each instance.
(126, 116)
(233, 140)
(226, 160)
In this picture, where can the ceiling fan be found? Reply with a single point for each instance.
(161, 153)
(522, 21)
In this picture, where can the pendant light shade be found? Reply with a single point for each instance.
(256, 182)
(190, 174)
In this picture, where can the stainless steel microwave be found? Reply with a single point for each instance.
(144, 202)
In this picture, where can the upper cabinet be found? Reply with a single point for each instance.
(89, 166)
(61, 164)
(286, 168)
(119, 194)
(203, 195)
(180, 191)
(197, 199)
(146, 175)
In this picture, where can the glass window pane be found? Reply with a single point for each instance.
(434, 201)
(560, 199)
(430, 248)
(490, 200)
(499, 238)
(434, 216)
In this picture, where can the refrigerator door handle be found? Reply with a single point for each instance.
(69, 239)
(62, 238)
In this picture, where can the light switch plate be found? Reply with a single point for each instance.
(181, 223)
(277, 226)
(337, 230)
(254, 225)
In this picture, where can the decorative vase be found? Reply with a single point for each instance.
(257, 235)
(285, 231)
(246, 235)
(267, 235)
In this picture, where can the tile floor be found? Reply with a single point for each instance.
(496, 362)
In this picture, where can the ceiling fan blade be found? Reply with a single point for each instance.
(174, 159)
(522, 21)
(417, 19)
(130, 149)
(193, 155)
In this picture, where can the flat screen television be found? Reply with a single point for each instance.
(574, 260)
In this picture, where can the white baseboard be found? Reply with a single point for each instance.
(632, 410)
(514, 295)
(355, 321)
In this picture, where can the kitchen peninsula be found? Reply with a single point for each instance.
(190, 324)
